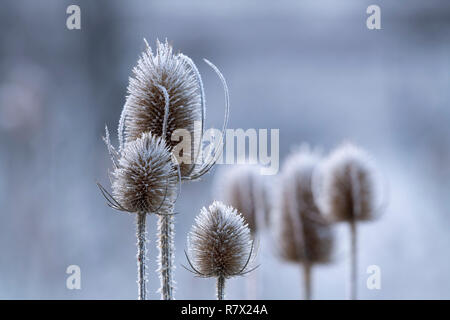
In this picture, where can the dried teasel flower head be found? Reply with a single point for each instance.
(347, 190)
(304, 234)
(246, 190)
(219, 243)
(145, 178)
(157, 76)
(166, 94)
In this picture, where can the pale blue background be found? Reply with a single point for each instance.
(310, 68)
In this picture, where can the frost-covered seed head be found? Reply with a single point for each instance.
(244, 189)
(146, 176)
(146, 102)
(304, 234)
(348, 185)
(219, 242)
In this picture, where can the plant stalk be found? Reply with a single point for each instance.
(307, 280)
(353, 261)
(252, 285)
(142, 276)
(221, 288)
(166, 252)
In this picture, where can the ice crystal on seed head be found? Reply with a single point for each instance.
(219, 243)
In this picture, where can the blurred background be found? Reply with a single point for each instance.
(310, 68)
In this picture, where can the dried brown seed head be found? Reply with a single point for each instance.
(348, 185)
(305, 236)
(219, 242)
(166, 96)
(159, 79)
(145, 178)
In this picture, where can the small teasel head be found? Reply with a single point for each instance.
(166, 96)
(145, 177)
(304, 234)
(219, 243)
(245, 189)
(347, 190)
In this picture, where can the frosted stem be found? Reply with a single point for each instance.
(252, 285)
(142, 277)
(307, 280)
(220, 288)
(354, 262)
(166, 251)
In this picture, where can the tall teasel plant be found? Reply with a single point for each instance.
(304, 235)
(246, 190)
(347, 194)
(144, 180)
(220, 245)
(166, 94)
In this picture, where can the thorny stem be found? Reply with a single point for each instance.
(142, 277)
(220, 288)
(166, 251)
(354, 262)
(307, 280)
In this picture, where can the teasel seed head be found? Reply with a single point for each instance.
(304, 234)
(347, 191)
(155, 76)
(219, 243)
(243, 187)
(166, 94)
(145, 177)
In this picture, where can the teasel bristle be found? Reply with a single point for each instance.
(243, 187)
(305, 236)
(347, 193)
(220, 245)
(166, 94)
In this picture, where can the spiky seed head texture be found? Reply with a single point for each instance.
(146, 101)
(304, 234)
(243, 188)
(219, 242)
(145, 178)
(348, 185)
